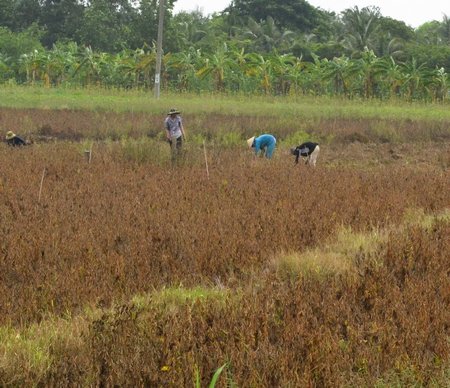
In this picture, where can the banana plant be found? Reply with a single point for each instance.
(87, 66)
(4, 67)
(261, 68)
(364, 70)
(390, 75)
(217, 65)
(281, 69)
(416, 77)
(183, 66)
(336, 72)
(440, 84)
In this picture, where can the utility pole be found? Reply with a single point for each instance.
(159, 49)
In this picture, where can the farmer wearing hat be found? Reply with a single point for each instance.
(308, 150)
(13, 140)
(264, 144)
(174, 130)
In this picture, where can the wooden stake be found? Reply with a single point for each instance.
(42, 181)
(206, 159)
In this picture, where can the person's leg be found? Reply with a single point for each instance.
(173, 148)
(262, 151)
(179, 143)
(269, 150)
(313, 156)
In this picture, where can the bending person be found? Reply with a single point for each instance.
(308, 150)
(264, 144)
(13, 140)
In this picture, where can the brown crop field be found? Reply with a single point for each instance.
(129, 270)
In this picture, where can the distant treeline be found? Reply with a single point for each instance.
(252, 46)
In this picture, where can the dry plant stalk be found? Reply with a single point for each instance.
(206, 159)
(40, 187)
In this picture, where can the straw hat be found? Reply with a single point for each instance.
(174, 111)
(250, 141)
(10, 135)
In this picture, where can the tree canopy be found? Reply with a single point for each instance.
(252, 44)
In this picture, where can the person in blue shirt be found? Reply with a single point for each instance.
(264, 144)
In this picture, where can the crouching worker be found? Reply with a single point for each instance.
(13, 140)
(308, 150)
(264, 144)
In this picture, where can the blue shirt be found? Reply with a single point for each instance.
(264, 141)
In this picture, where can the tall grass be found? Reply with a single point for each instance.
(138, 101)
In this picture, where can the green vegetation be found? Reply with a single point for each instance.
(281, 108)
(281, 48)
(342, 253)
(178, 296)
(130, 269)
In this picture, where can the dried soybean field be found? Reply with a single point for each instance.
(130, 270)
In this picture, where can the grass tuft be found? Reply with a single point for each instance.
(338, 256)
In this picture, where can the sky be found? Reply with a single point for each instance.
(413, 13)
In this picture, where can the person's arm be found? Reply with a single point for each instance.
(166, 124)
(257, 145)
(183, 133)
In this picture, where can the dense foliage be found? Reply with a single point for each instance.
(131, 271)
(252, 46)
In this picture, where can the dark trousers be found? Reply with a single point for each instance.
(175, 146)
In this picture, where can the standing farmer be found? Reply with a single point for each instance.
(174, 131)
(264, 144)
(308, 150)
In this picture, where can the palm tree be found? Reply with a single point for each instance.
(267, 36)
(187, 29)
(444, 29)
(361, 26)
(389, 46)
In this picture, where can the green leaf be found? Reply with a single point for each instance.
(217, 373)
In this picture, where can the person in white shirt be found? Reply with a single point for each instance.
(308, 150)
(174, 131)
